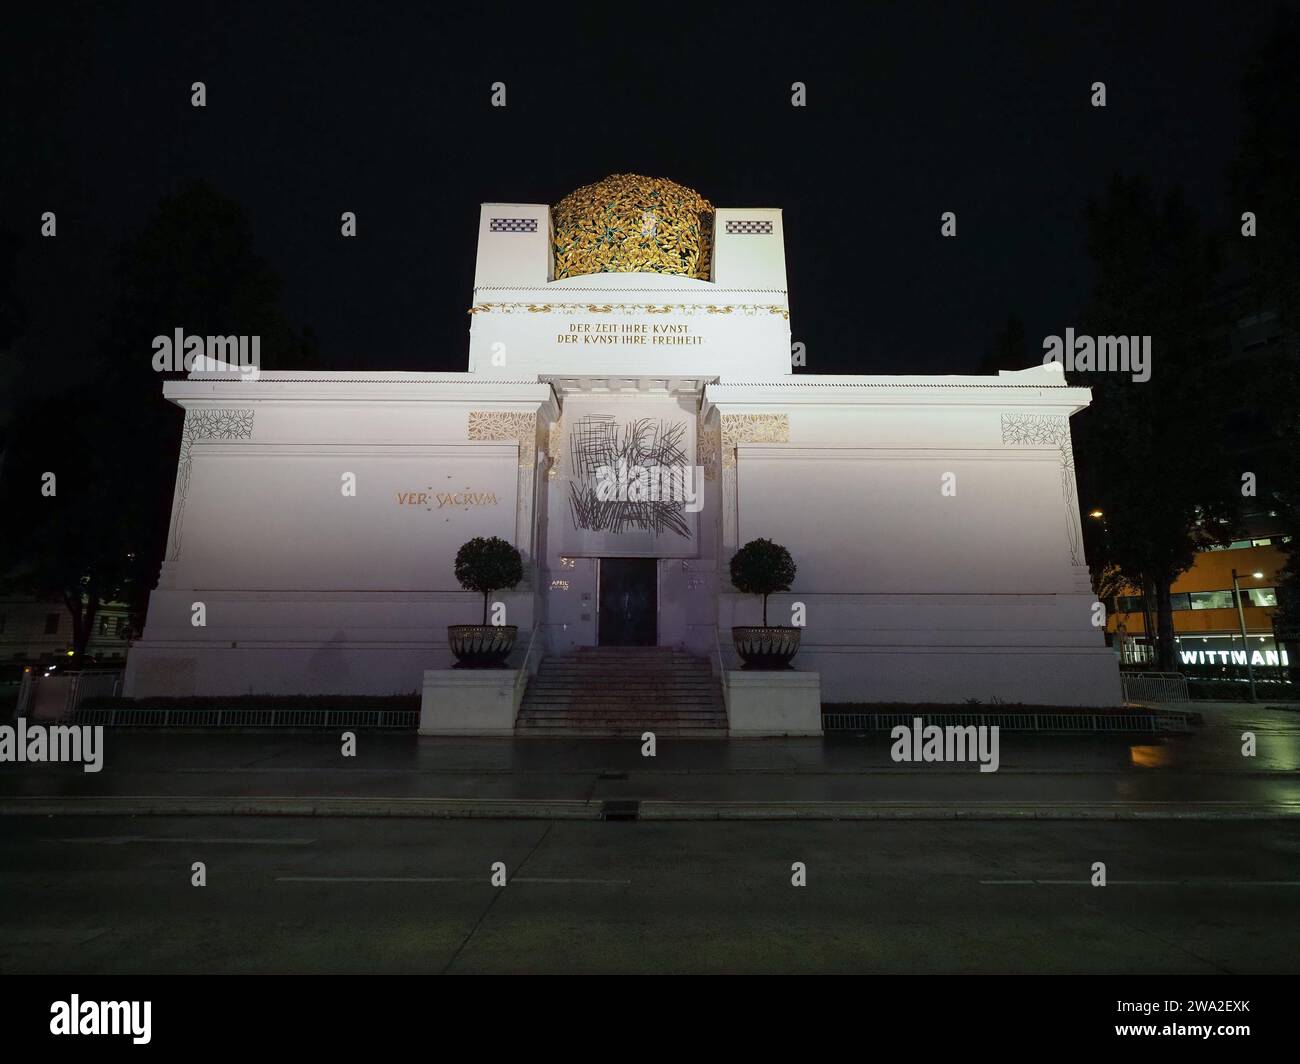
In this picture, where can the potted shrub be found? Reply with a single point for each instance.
(485, 565)
(762, 567)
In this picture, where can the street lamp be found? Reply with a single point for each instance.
(1241, 620)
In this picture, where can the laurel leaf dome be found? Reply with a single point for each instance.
(628, 223)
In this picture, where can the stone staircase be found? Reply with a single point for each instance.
(623, 691)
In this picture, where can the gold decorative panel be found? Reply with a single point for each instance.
(554, 446)
(507, 425)
(708, 446)
(747, 310)
(751, 428)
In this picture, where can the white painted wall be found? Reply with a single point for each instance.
(305, 589)
(912, 595)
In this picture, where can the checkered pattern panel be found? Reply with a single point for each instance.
(512, 225)
(744, 228)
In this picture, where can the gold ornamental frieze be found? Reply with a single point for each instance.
(685, 309)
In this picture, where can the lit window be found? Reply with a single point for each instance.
(1211, 600)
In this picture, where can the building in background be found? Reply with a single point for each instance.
(39, 632)
(933, 519)
(1206, 623)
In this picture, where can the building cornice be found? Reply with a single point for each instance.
(361, 388)
(1031, 387)
(757, 397)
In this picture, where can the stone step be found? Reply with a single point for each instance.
(621, 711)
(625, 682)
(624, 691)
(619, 724)
(577, 697)
(630, 727)
(617, 727)
(579, 701)
(614, 732)
(604, 677)
(624, 666)
(555, 710)
(614, 713)
(668, 683)
(616, 691)
(631, 649)
(619, 670)
(630, 662)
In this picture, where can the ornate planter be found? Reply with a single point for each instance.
(481, 646)
(772, 647)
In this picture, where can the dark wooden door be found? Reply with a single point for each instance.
(629, 605)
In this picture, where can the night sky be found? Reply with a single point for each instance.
(912, 110)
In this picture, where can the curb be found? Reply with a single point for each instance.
(443, 808)
(963, 811)
(516, 809)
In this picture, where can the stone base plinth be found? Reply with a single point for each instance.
(773, 703)
(470, 701)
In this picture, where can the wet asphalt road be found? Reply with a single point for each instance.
(111, 895)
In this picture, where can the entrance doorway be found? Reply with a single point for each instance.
(629, 602)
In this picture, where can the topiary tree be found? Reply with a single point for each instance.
(762, 567)
(487, 565)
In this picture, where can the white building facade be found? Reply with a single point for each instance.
(933, 520)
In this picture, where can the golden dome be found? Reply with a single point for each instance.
(633, 224)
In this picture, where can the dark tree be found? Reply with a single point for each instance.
(13, 323)
(762, 567)
(1008, 350)
(487, 565)
(1265, 179)
(111, 441)
(1154, 270)
(66, 531)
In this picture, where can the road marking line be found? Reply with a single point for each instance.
(376, 879)
(1141, 883)
(601, 882)
(442, 879)
(118, 840)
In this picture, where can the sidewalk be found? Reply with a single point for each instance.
(1198, 776)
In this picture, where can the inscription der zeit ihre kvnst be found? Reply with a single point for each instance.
(652, 334)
